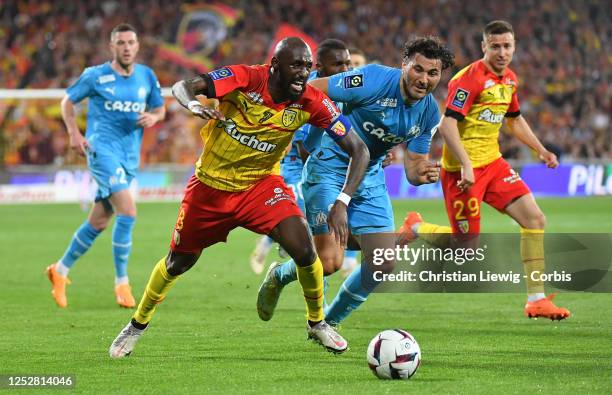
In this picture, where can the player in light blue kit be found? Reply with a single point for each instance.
(332, 58)
(124, 97)
(387, 106)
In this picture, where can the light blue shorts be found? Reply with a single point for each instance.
(369, 211)
(110, 173)
(293, 179)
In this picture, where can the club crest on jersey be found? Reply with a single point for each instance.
(142, 93)
(353, 81)
(221, 73)
(414, 131)
(288, 117)
(464, 226)
(460, 98)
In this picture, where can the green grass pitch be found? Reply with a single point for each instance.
(206, 336)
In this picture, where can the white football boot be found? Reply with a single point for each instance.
(125, 341)
(268, 294)
(327, 336)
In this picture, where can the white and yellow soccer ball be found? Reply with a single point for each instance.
(394, 354)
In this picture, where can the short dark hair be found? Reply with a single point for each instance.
(497, 27)
(122, 27)
(356, 51)
(328, 45)
(432, 48)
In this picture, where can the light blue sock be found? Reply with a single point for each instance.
(325, 284)
(352, 293)
(351, 254)
(122, 243)
(286, 273)
(81, 241)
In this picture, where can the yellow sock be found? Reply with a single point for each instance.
(532, 255)
(158, 286)
(436, 235)
(311, 280)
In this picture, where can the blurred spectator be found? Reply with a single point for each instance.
(563, 59)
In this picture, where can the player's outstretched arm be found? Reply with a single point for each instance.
(450, 133)
(360, 157)
(419, 169)
(520, 128)
(320, 84)
(77, 141)
(185, 92)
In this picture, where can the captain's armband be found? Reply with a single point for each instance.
(339, 127)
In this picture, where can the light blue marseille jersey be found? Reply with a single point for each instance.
(115, 102)
(374, 104)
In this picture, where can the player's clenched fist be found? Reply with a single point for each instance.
(428, 172)
(549, 159)
(204, 112)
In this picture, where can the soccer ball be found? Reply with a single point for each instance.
(394, 354)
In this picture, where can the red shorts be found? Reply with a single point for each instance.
(496, 184)
(207, 215)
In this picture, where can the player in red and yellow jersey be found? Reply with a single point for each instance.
(237, 180)
(480, 97)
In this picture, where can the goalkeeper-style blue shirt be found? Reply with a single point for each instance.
(115, 103)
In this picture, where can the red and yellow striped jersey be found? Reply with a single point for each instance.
(479, 99)
(250, 143)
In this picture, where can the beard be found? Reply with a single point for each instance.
(124, 65)
(292, 95)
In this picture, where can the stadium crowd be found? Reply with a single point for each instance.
(562, 59)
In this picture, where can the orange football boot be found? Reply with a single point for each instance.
(406, 234)
(58, 289)
(546, 308)
(123, 292)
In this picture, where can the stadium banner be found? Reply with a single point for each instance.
(289, 30)
(163, 184)
(77, 185)
(568, 180)
(201, 31)
(489, 263)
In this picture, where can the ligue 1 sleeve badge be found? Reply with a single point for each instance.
(460, 98)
